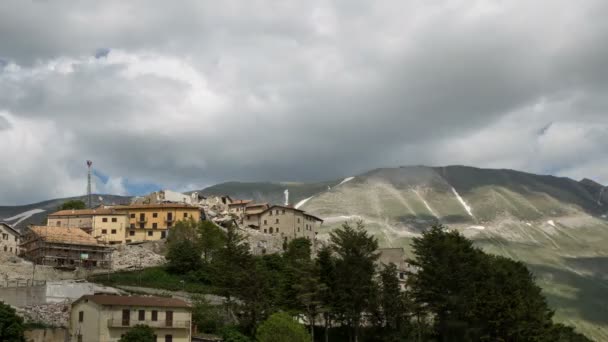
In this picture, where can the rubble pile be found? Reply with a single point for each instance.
(53, 314)
(261, 243)
(137, 256)
(13, 267)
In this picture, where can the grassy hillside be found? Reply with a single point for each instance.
(268, 192)
(553, 224)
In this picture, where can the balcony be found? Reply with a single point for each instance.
(142, 220)
(160, 324)
(170, 220)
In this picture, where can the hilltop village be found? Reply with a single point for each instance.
(86, 237)
(75, 243)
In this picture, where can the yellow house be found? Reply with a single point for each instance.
(150, 222)
(105, 224)
(105, 318)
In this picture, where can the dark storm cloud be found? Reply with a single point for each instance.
(189, 95)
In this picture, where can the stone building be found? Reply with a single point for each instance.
(286, 222)
(397, 257)
(251, 215)
(9, 239)
(151, 222)
(63, 246)
(108, 317)
(105, 224)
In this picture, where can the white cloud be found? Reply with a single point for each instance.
(203, 92)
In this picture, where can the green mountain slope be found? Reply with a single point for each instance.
(556, 225)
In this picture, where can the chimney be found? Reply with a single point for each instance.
(286, 197)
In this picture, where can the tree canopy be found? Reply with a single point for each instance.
(139, 333)
(11, 325)
(73, 205)
(281, 327)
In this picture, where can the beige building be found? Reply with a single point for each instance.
(237, 207)
(105, 318)
(9, 239)
(397, 257)
(287, 222)
(62, 246)
(105, 224)
(251, 215)
(150, 222)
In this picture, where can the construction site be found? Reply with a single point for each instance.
(64, 247)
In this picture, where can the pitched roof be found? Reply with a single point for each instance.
(86, 212)
(10, 228)
(72, 236)
(257, 204)
(240, 202)
(166, 302)
(155, 206)
(289, 207)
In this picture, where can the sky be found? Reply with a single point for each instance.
(182, 95)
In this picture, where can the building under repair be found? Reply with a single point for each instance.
(64, 247)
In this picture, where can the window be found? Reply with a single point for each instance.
(104, 231)
(126, 317)
(150, 233)
(298, 220)
(132, 226)
(401, 275)
(265, 222)
(4, 236)
(154, 225)
(81, 316)
(169, 319)
(155, 215)
(283, 212)
(277, 229)
(10, 249)
(298, 229)
(132, 215)
(114, 219)
(163, 235)
(58, 223)
(270, 213)
(185, 215)
(142, 217)
(154, 315)
(248, 217)
(277, 212)
(142, 315)
(79, 337)
(169, 224)
(141, 225)
(168, 338)
(265, 230)
(271, 230)
(276, 221)
(113, 231)
(105, 219)
(5, 249)
(131, 233)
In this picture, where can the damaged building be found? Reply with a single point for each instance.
(64, 247)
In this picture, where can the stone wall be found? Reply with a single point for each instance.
(47, 335)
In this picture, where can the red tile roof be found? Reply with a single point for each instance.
(166, 302)
(86, 212)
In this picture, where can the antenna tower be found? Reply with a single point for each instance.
(89, 164)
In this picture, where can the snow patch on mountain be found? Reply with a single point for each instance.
(428, 207)
(23, 216)
(464, 204)
(476, 227)
(347, 179)
(302, 202)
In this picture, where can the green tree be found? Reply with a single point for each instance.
(184, 230)
(207, 318)
(212, 239)
(232, 264)
(395, 312)
(326, 268)
(73, 204)
(475, 296)
(354, 271)
(281, 327)
(139, 333)
(232, 334)
(11, 325)
(183, 257)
